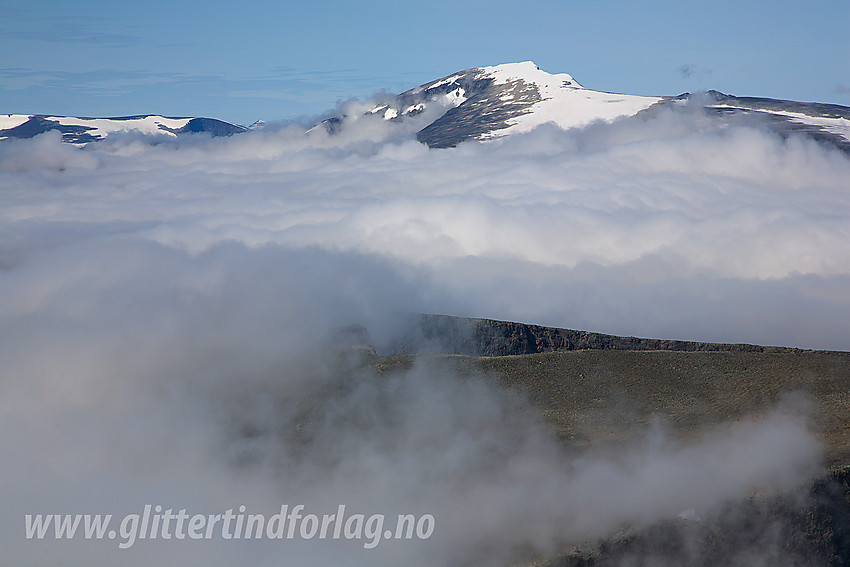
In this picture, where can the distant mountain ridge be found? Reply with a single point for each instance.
(480, 104)
(84, 130)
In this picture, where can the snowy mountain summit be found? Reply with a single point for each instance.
(490, 102)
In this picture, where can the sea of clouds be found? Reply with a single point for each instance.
(166, 307)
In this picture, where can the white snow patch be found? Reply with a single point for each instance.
(12, 120)
(455, 97)
(377, 109)
(446, 81)
(104, 126)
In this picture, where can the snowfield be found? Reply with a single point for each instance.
(565, 102)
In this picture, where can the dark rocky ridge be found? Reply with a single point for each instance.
(212, 126)
(442, 334)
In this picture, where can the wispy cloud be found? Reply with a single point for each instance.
(693, 71)
(28, 24)
(97, 82)
(76, 33)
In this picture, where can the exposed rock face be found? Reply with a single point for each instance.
(488, 108)
(486, 337)
(474, 107)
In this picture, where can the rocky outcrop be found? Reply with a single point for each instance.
(488, 108)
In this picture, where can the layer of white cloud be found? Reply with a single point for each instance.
(166, 306)
(675, 204)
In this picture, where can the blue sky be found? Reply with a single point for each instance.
(274, 60)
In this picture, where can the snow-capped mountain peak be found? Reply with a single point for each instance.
(485, 103)
(490, 102)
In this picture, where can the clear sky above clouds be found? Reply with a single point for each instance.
(274, 59)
